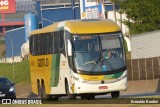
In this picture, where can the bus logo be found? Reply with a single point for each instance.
(44, 62)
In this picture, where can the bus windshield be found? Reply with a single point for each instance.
(98, 52)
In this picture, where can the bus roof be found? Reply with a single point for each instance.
(81, 26)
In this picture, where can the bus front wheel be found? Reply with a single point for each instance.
(70, 96)
(115, 94)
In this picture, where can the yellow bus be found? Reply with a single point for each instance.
(78, 58)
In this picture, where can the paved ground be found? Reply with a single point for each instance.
(23, 90)
(143, 86)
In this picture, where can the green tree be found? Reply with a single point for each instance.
(143, 15)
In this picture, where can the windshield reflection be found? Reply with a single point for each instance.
(98, 53)
(4, 82)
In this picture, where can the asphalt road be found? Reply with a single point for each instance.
(154, 98)
(142, 95)
(106, 99)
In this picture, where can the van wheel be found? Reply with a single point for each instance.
(70, 96)
(115, 94)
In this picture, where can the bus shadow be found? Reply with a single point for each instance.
(32, 95)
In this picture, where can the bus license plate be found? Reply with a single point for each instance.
(103, 87)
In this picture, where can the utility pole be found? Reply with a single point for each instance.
(3, 19)
(114, 9)
(73, 9)
(12, 58)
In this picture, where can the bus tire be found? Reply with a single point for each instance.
(115, 94)
(39, 90)
(55, 98)
(83, 97)
(70, 96)
(88, 97)
(44, 95)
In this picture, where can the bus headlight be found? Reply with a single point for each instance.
(82, 80)
(78, 78)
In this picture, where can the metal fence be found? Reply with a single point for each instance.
(144, 69)
(145, 56)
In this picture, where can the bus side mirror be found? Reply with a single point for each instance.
(128, 43)
(69, 48)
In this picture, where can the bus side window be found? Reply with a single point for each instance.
(31, 44)
(48, 43)
(35, 50)
(48, 46)
(45, 44)
(51, 43)
(62, 44)
(39, 45)
(56, 43)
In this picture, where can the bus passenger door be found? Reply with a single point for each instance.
(63, 68)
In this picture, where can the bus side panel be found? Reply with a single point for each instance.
(55, 70)
(33, 75)
(63, 73)
(40, 69)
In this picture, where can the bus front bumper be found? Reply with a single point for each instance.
(82, 88)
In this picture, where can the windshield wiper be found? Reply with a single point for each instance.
(98, 60)
(109, 64)
(100, 54)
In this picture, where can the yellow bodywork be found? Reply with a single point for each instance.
(91, 77)
(87, 27)
(81, 27)
(48, 29)
(40, 73)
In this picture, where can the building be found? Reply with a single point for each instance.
(46, 11)
(50, 11)
(145, 45)
(15, 20)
